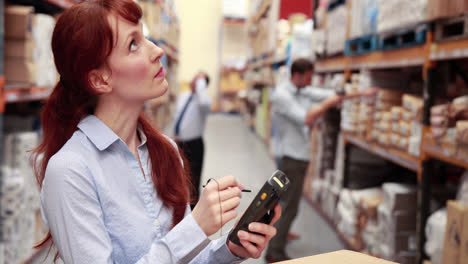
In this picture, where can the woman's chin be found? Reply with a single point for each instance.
(161, 89)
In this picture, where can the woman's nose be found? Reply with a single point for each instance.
(155, 52)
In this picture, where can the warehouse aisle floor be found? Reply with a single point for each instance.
(232, 149)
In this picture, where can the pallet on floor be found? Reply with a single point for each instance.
(361, 45)
(403, 38)
(451, 29)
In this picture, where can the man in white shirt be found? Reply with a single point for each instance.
(296, 108)
(192, 108)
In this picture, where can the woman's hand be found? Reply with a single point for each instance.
(254, 244)
(208, 213)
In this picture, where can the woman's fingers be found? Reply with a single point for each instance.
(230, 204)
(277, 215)
(253, 250)
(223, 183)
(259, 240)
(264, 229)
(229, 193)
(228, 216)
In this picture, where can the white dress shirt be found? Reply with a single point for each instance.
(290, 106)
(100, 208)
(193, 122)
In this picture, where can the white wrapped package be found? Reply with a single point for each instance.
(317, 187)
(336, 29)
(46, 75)
(399, 13)
(435, 232)
(363, 20)
(347, 227)
(349, 200)
(460, 103)
(370, 233)
(414, 145)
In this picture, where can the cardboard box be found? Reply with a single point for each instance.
(462, 132)
(342, 256)
(437, 9)
(456, 217)
(18, 22)
(20, 70)
(18, 48)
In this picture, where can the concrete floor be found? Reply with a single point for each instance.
(233, 149)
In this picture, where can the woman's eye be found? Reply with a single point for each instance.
(133, 46)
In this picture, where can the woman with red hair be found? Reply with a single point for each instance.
(113, 189)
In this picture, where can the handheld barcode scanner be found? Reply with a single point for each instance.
(261, 208)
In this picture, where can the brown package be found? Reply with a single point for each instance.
(19, 48)
(18, 22)
(20, 70)
(456, 213)
(462, 132)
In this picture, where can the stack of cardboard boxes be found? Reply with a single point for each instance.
(449, 126)
(19, 192)
(357, 113)
(351, 108)
(19, 45)
(383, 118)
(397, 223)
(28, 53)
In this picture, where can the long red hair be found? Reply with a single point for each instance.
(82, 41)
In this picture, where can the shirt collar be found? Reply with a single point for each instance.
(101, 135)
(142, 135)
(97, 132)
(292, 88)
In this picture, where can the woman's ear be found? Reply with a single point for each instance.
(99, 79)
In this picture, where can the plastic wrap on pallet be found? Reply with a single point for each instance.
(348, 209)
(363, 17)
(20, 196)
(42, 34)
(336, 29)
(394, 14)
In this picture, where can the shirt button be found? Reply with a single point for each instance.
(156, 223)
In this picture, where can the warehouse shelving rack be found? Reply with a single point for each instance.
(425, 56)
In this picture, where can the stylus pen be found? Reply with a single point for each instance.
(245, 190)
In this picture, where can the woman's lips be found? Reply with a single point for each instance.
(160, 73)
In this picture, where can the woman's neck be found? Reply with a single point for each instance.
(123, 121)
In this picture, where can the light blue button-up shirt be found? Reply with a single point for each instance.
(290, 106)
(100, 209)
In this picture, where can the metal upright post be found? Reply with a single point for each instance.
(424, 193)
